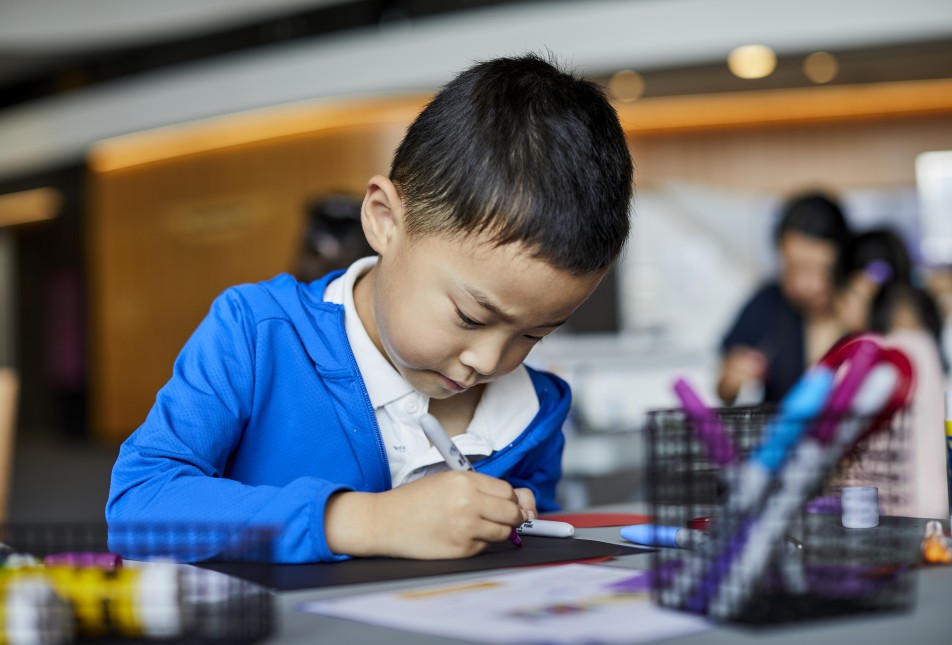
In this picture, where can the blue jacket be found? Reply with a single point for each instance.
(265, 417)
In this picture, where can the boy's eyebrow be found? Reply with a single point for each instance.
(484, 301)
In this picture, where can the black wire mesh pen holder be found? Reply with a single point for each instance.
(783, 558)
(66, 576)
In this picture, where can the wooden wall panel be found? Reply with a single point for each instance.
(167, 236)
(784, 158)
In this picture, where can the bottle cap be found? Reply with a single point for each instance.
(702, 523)
(860, 507)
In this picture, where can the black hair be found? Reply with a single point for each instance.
(815, 215)
(894, 294)
(884, 245)
(525, 152)
(875, 244)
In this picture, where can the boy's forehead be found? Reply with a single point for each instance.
(512, 281)
(483, 251)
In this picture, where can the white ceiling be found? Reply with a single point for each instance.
(55, 27)
(592, 36)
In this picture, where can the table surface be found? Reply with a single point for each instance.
(929, 621)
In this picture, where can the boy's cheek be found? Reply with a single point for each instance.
(416, 347)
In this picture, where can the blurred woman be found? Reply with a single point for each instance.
(786, 325)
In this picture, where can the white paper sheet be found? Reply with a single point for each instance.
(569, 604)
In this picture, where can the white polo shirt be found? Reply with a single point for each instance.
(505, 409)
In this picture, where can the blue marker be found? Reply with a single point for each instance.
(669, 536)
(799, 406)
(811, 462)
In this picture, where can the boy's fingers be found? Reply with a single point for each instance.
(501, 511)
(495, 487)
(494, 532)
(527, 503)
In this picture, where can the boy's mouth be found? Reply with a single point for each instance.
(453, 385)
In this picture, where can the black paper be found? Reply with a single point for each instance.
(535, 550)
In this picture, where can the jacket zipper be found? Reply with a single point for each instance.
(382, 451)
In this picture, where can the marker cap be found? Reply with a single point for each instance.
(651, 535)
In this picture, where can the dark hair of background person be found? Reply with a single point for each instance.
(875, 244)
(333, 236)
(886, 245)
(521, 150)
(815, 215)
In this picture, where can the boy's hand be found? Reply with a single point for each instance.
(527, 503)
(453, 514)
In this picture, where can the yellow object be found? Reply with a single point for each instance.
(948, 449)
(128, 602)
(936, 548)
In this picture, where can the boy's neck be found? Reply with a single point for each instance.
(363, 303)
(455, 412)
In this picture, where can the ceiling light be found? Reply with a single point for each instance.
(752, 61)
(821, 67)
(626, 85)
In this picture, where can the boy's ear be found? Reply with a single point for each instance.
(381, 214)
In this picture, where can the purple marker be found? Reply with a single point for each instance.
(711, 581)
(709, 429)
(878, 271)
(107, 561)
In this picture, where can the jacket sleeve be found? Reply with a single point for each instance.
(541, 468)
(168, 481)
(542, 475)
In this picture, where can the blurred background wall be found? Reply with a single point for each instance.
(180, 147)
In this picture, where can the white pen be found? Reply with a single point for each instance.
(456, 460)
(546, 528)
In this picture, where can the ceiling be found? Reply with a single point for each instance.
(49, 27)
(114, 66)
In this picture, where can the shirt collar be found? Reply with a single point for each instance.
(384, 383)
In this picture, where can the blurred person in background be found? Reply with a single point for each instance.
(333, 236)
(876, 291)
(787, 324)
(869, 298)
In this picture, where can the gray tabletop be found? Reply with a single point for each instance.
(928, 621)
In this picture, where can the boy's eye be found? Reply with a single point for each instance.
(467, 321)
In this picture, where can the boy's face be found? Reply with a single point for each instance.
(450, 314)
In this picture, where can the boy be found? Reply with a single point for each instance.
(298, 405)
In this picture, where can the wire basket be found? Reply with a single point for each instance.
(61, 582)
(779, 553)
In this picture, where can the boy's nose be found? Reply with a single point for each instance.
(483, 359)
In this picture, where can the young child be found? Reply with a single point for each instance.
(298, 405)
(888, 303)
